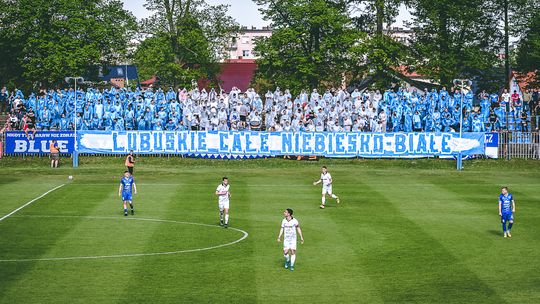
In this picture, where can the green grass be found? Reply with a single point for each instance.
(411, 231)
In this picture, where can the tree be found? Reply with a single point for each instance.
(371, 15)
(47, 40)
(528, 51)
(188, 38)
(383, 55)
(517, 15)
(454, 38)
(310, 44)
(383, 59)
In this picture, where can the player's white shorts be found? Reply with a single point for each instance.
(289, 244)
(223, 205)
(327, 189)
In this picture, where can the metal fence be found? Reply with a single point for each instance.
(519, 145)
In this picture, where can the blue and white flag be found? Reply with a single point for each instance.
(259, 144)
(17, 142)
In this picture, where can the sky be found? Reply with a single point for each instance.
(244, 11)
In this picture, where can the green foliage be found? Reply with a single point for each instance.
(154, 56)
(186, 40)
(521, 14)
(384, 56)
(528, 52)
(454, 38)
(371, 15)
(47, 40)
(310, 44)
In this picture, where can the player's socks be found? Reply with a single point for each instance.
(226, 219)
(286, 260)
(125, 212)
(293, 259)
(323, 200)
(510, 227)
(504, 227)
(131, 206)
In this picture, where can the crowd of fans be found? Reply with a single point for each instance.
(394, 110)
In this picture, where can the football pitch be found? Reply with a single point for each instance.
(412, 231)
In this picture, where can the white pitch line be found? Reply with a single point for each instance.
(30, 202)
(245, 235)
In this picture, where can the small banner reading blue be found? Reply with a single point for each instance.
(259, 144)
(17, 142)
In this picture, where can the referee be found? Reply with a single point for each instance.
(130, 162)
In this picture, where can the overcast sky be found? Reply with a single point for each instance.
(244, 11)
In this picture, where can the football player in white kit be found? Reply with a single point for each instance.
(326, 180)
(223, 195)
(289, 228)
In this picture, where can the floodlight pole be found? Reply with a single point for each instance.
(461, 83)
(75, 146)
(127, 79)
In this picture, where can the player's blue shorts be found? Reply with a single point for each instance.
(506, 217)
(126, 196)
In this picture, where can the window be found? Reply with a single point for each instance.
(245, 39)
(245, 53)
(120, 71)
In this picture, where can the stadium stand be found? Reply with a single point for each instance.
(399, 110)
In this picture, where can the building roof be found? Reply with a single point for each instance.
(403, 70)
(524, 81)
(150, 81)
(119, 71)
(253, 29)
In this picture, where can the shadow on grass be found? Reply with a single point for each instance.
(495, 232)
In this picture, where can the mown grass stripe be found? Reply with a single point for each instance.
(30, 202)
(420, 268)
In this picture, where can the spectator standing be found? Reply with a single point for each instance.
(4, 100)
(524, 122)
(30, 125)
(527, 99)
(536, 112)
(514, 97)
(505, 100)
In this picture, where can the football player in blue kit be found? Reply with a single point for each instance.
(507, 207)
(126, 190)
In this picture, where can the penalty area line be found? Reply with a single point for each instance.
(30, 202)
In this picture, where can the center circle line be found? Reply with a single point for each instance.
(244, 236)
